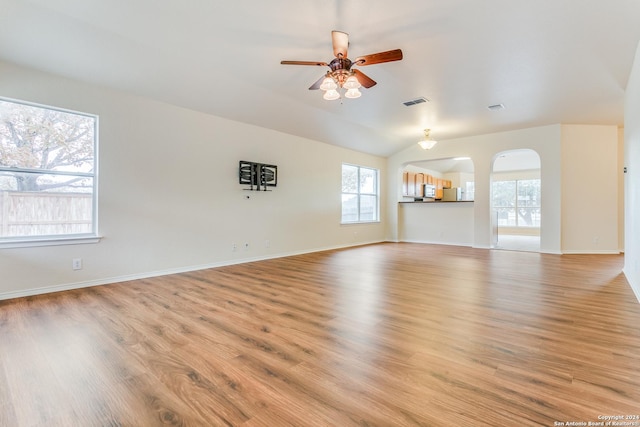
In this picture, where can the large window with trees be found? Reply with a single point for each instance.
(360, 194)
(517, 202)
(47, 173)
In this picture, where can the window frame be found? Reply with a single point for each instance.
(516, 202)
(59, 239)
(359, 194)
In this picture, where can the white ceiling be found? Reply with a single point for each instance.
(508, 161)
(547, 61)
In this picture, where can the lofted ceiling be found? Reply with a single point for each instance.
(508, 161)
(547, 61)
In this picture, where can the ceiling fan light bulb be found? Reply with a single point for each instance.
(331, 94)
(353, 93)
(351, 83)
(328, 84)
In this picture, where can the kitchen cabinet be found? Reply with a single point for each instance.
(413, 184)
(439, 183)
(409, 184)
(419, 185)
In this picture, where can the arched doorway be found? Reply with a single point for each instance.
(515, 200)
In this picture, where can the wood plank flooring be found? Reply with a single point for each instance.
(379, 335)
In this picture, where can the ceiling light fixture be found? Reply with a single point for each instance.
(340, 79)
(427, 143)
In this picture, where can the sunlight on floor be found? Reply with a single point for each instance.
(518, 243)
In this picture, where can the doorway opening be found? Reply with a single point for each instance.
(516, 194)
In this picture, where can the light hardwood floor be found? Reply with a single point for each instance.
(384, 335)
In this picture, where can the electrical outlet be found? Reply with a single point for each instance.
(246, 246)
(76, 264)
(234, 247)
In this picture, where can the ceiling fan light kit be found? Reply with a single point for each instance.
(331, 84)
(331, 95)
(328, 84)
(352, 83)
(341, 76)
(352, 94)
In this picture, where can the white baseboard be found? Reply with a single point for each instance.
(157, 273)
(590, 252)
(427, 242)
(481, 247)
(185, 269)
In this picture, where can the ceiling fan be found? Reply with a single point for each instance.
(340, 74)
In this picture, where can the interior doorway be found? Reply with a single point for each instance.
(516, 194)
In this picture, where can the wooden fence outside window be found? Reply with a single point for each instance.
(45, 214)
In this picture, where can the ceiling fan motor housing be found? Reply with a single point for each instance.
(340, 70)
(340, 66)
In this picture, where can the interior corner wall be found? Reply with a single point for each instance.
(169, 198)
(621, 201)
(632, 177)
(590, 189)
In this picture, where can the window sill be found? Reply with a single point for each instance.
(49, 241)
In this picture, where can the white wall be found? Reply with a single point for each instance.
(482, 149)
(418, 169)
(436, 223)
(515, 175)
(169, 198)
(575, 162)
(621, 176)
(461, 179)
(632, 177)
(181, 207)
(590, 189)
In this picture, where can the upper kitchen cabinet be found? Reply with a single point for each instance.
(442, 173)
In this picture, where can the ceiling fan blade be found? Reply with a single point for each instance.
(377, 58)
(364, 80)
(340, 43)
(317, 84)
(318, 63)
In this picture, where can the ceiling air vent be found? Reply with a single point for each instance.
(496, 107)
(415, 101)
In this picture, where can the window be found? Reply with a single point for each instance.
(47, 173)
(517, 202)
(360, 194)
(470, 190)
